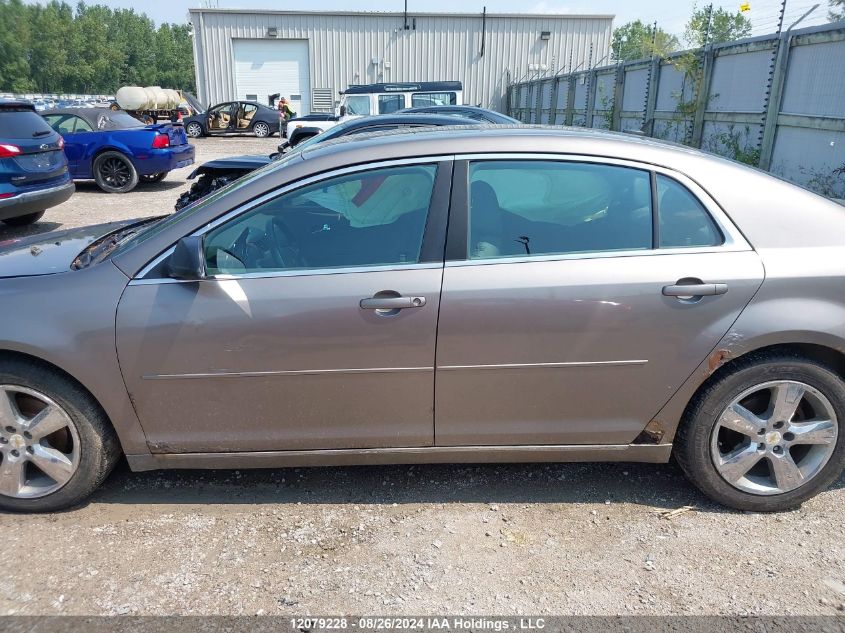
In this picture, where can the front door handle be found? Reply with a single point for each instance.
(392, 303)
(695, 290)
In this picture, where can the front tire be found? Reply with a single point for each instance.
(23, 220)
(56, 445)
(114, 173)
(193, 129)
(261, 129)
(766, 436)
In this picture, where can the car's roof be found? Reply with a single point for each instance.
(408, 143)
(410, 119)
(17, 103)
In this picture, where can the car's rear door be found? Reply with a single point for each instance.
(316, 328)
(561, 319)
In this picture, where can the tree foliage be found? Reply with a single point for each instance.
(837, 10)
(711, 26)
(636, 40)
(55, 48)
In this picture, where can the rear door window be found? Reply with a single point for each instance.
(390, 103)
(523, 208)
(20, 123)
(425, 99)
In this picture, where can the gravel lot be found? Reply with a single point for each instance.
(522, 539)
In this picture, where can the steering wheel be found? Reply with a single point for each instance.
(283, 245)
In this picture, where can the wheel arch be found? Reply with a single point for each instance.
(826, 350)
(49, 366)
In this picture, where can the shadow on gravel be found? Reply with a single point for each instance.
(659, 486)
(13, 232)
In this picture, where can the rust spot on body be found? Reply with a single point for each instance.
(716, 360)
(652, 433)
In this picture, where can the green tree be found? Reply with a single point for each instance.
(837, 10)
(14, 47)
(636, 40)
(711, 26)
(90, 49)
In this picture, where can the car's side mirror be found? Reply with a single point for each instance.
(342, 110)
(188, 259)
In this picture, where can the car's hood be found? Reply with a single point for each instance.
(49, 253)
(250, 162)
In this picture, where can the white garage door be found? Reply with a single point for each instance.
(265, 67)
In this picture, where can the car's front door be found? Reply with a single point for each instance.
(315, 328)
(561, 319)
(219, 118)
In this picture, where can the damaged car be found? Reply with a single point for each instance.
(422, 296)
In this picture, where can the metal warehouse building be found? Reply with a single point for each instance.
(312, 56)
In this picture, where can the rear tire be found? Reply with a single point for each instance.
(782, 473)
(193, 129)
(88, 433)
(23, 220)
(114, 173)
(261, 129)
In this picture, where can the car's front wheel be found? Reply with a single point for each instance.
(56, 445)
(23, 220)
(261, 129)
(767, 435)
(114, 173)
(193, 129)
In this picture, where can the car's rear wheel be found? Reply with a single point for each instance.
(148, 178)
(767, 435)
(23, 220)
(114, 173)
(56, 445)
(261, 129)
(193, 129)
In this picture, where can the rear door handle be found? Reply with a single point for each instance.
(392, 303)
(695, 290)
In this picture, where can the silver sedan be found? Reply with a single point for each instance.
(505, 295)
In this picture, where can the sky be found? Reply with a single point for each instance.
(671, 16)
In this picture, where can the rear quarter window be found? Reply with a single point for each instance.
(22, 123)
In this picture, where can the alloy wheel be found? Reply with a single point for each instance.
(115, 172)
(193, 130)
(774, 437)
(261, 130)
(39, 444)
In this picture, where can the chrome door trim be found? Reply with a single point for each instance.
(734, 239)
(422, 160)
(299, 272)
(646, 252)
(596, 363)
(288, 372)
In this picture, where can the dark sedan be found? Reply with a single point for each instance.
(482, 115)
(217, 173)
(117, 150)
(234, 117)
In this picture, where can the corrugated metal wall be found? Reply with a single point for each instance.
(793, 126)
(440, 47)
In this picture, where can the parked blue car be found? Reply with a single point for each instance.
(117, 150)
(33, 169)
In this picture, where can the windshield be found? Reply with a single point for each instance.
(166, 222)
